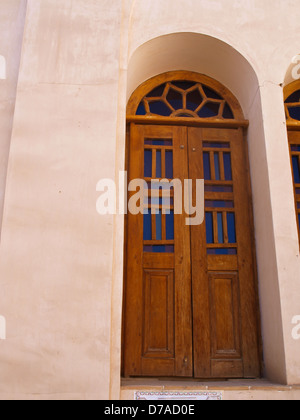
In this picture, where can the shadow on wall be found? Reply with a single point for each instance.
(2, 68)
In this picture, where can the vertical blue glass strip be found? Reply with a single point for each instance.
(169, 164)
(209, 228)
(231, 228)
(148, 164)
(170, 226)
(147, 227)
(220, 228)
(227, 167)
(158, 164)
(217, 166)
(159, 226)
(206, 165)
(296, 169)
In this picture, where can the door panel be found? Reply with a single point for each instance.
(224, 299)
(158, 313)
(190, 294)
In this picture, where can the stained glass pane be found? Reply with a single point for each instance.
(157, 92)
(218, 188)
(159, 108)
(206, 164)
(209, 110)
(159, 249)
(147, 227)
(209, 228)
(217, 166)
(228, 114)
(158, 142)
(293, 98)
(219, 204)
(184, 85)
(193, 100)
(296, 169)
(159, 226)
(148, 164)
(175, 99)
(231, 228)
(141, 109)
(214, 145)
(220, 228)
(170, 226)
(169, 164)
(222, 251)
(158, 164)
(227, 166)
(211, 94)
(295, 112)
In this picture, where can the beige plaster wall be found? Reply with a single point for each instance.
(61, 264)
(12, 19)
(56, 255)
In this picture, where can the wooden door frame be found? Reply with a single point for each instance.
(239, 122)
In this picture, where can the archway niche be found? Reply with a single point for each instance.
(212, 57)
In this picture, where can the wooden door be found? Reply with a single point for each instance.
(158, 313)
(190, 301)
(225, 308)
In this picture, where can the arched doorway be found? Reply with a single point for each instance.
(191, 307)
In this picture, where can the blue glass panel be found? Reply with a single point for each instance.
(159, 108)
(147, 227)
(158, 164)
(169, 164)
(211, 94)
(175, 99)
(159, 249)
(219, 204)
(159, 226)
(206, 164)
(293, 98)
(158, 142)
(170, 226)
(231, 228)
(148, 164)
(193, 100)
(141, 109)
(218, 188)
(296, 169)
(295, 112)
(295, 148)
(209, 110)
(220, 228)
(184, 85)
(227, 167)
(214, 145)
(157, 92)
(217, 166)
(228, 114)
(222, 251)
(209, 228)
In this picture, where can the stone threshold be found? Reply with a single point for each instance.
(232, 389)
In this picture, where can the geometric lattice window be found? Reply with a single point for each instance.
(184, 99)
(292, 106)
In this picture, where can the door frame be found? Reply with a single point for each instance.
(239, 122)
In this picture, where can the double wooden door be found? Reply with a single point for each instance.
(190, 307)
